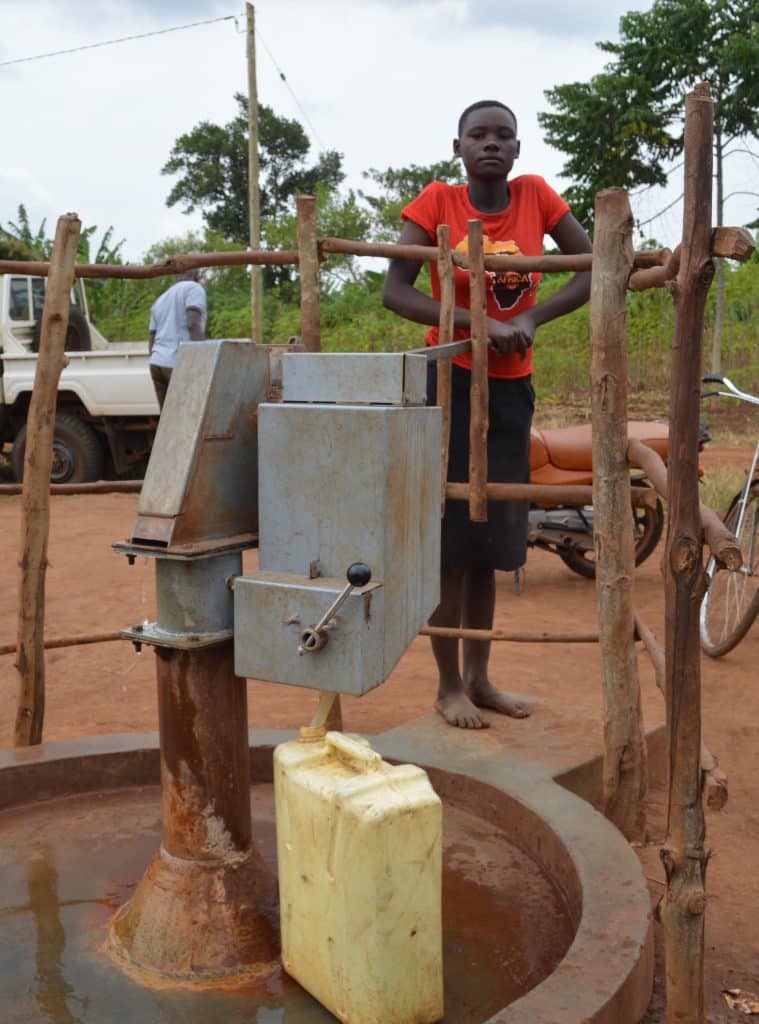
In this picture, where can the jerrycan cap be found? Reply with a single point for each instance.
(311, 733)
(355, 750)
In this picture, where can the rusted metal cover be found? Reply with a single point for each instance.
(271, 611)
(202, 480)
(379, 378)
(342, 484)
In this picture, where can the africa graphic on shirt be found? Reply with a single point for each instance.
(508, 286)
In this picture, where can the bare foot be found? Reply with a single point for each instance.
(457, 709)
(485, 695)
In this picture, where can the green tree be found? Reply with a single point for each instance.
(212, 161)
(339, 215)
(27, 243)
(13, 249)
(611, 134)
(398, 186)
(621, 126)
(20, 237)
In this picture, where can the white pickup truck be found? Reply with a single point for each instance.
(107, 411)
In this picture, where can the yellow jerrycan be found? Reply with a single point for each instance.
(359, 843)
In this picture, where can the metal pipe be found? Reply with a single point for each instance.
(205, 772)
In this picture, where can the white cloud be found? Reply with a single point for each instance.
(381, 81)
(555, 19)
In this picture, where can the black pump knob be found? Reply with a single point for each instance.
(359, 574)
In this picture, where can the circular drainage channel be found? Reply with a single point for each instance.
(67, 864)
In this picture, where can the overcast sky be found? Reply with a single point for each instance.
(381, 81)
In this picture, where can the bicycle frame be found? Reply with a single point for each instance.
(741, 503)
(743, 396)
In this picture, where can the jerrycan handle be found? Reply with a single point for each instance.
(355, 751)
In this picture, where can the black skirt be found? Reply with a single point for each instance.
(501, 542)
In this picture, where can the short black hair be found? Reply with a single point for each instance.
(484, 103)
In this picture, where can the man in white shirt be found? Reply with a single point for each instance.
(177, 315)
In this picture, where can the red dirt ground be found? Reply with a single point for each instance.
(108, 688)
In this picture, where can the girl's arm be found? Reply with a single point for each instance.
(514, 335)
(402, 297)
(571, 238)
(517, 334)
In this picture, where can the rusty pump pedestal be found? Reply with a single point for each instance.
(342, 474)
(206, 909)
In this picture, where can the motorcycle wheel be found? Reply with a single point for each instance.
(648, 526)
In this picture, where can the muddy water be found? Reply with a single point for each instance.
(67, 865)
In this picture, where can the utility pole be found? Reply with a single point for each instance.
(254, 206)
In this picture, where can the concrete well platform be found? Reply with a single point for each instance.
(534, 779)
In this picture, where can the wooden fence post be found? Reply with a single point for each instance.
(35, 503)
(683, 854)
(479, 392)
(624, 769)
(447, 309)
(308, 252)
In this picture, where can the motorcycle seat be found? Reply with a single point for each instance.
(571, 448)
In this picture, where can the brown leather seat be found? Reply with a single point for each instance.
(538, 453)
(572, 447)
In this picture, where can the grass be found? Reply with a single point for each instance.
(719, 485)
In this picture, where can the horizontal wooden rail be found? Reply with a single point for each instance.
(656, 276)
(93, 487)
(548, 494)
(729, 242)
(453, 632)
(559, 264)
(162, 268)
(69, 641)
(386, 250)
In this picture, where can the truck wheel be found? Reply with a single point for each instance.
(77, 453)
(78, 337)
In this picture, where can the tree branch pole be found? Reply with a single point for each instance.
(713, 781)
(308, 250)
(35, 507)
(624, 767)
(479, 394)
(719, 298)
(445, 337)
(683, 854)
(254, 200)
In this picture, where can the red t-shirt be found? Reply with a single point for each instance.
(534, 210)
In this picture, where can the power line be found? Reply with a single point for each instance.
(165, 31)
(647, 188)
(281, 74)
(112, 42)
(642, 223)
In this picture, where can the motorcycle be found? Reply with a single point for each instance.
(564, 457)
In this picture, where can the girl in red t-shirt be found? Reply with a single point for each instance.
(516, 215)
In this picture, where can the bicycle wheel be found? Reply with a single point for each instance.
(731, 602)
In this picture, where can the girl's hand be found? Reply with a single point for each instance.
(515, 335)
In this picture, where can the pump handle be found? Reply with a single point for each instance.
(359, 574)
